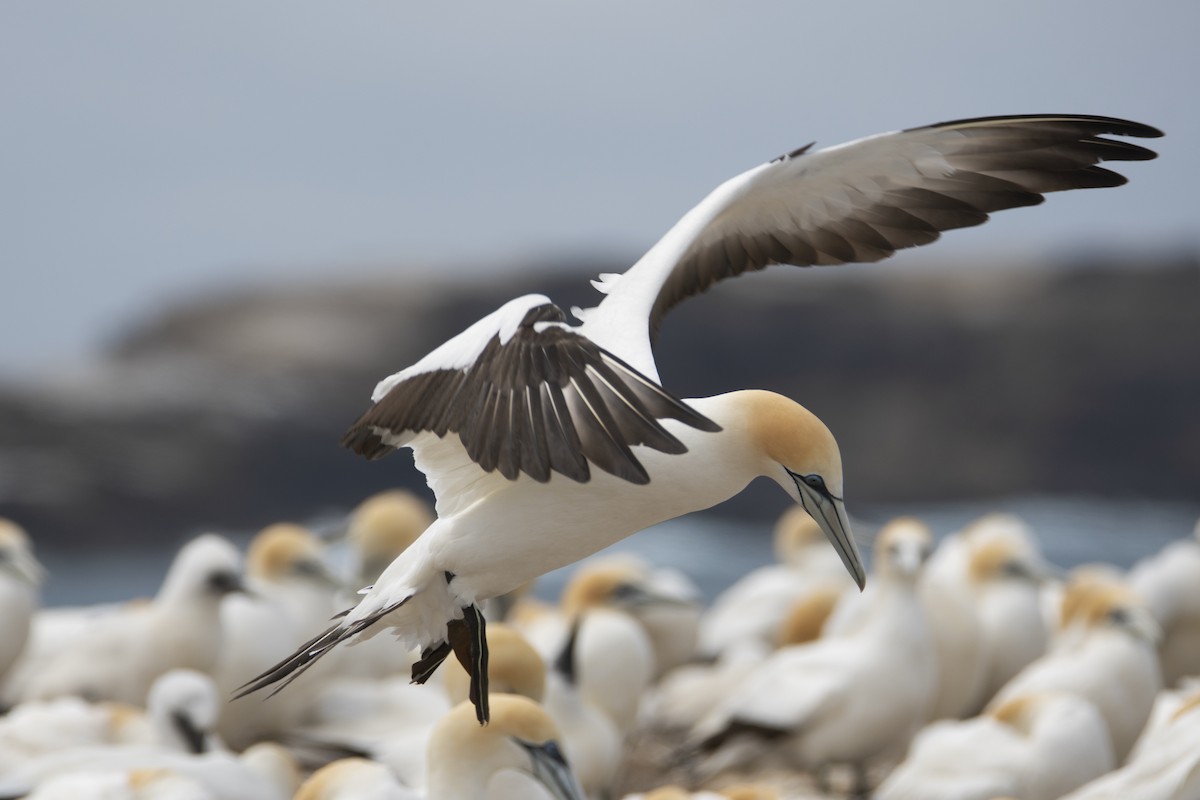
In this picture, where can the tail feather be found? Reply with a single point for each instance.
(295, 665)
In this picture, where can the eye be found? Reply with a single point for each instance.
(551, 748)
(1119, 616)
(816, 482)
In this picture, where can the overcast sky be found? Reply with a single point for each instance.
(151, 150)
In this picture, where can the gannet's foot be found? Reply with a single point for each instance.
(468, 638)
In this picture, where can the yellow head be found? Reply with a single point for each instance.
(384, 526)
(902, 547)
(463, 756)
(803, 457)
(514, 667)
(285, 551)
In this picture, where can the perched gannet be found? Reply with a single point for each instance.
(982, 591)
(851, 696)
(1036, 747)
(382, 527)
(667, 604)
(35, 728)
(545, 442)
(611, 650)
(516, 757)
(514, 667)
(20, 577)
(750, 612)
(1170, 583)
(1165, 765)
(739, 792)
(1104, 652)
(355, 779)
(120, 654)
(291, 598)
(182, 709)
(591, 738)
(138, 784)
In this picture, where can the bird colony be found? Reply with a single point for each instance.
(966, 668)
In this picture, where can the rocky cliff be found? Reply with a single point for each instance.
(940, 384)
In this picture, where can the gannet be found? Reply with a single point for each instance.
(1104, 652)
(1170, 583)
(982, 591)
(1164, 766)
(20, 577)
(291, 597)
(182, 707)
(545, 442)
(751, 611)
(849, 697)
(517, 756)
(1037, 747)
(118, 654)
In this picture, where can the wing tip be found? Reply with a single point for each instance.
(1113, 125)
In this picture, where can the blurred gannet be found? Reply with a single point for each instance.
(291, 597)
(382, 527)
(1035, 747)
(120, 654)
(982, 593)
(516, 757)
(563, 440)
(749, 613)
(1170, 583)
(1165, 765)
(20, 577)
(1104, 652)
(182, 707)
(846, 698)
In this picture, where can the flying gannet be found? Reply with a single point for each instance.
(545, 441)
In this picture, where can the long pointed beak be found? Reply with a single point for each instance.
(830, 514)
(25, 566)
(551, 770)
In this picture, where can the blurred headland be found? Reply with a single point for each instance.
(1080, 377)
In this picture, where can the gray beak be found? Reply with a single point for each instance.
(551, 770)
(830, 513)
(23, 565)
(634, 595)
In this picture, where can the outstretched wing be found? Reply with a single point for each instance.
(525, 393)
(859, 201)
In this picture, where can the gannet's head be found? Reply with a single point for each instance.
(349, 777)
(463, 756)
(1094, 602)
(1002, 548)
(16, 554)
(903, 546)
(795, 533)
(183, 706)
(618, 583)
(806, 462)
(514, 667)
(383, 526)
(206, 568)
(285, 552)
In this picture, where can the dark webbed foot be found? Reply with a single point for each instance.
(468, 638)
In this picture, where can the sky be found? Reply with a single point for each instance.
(153, 152)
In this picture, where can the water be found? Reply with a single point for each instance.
(715, 551)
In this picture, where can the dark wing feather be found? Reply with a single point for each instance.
(546, 400)
(865, 200)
